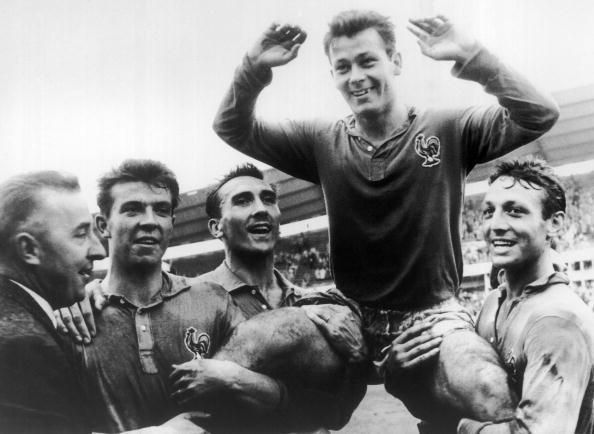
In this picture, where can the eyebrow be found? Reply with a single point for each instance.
(242, 194)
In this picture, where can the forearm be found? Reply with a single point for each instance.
(255, 393)
(533, 111)
(286, 145)
(234, 119)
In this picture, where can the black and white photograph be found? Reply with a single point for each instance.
(276, 216)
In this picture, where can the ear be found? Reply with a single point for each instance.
(28, 248)
(555, 224)
(397, 62)
(214, 227)
(101, 223)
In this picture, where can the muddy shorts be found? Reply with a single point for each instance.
(382, 326)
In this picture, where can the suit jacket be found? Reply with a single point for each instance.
(40, 389)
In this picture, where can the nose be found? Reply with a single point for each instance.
(96, 250)
(148, 218)
(259, 206)
(497, 224)
(357, 74)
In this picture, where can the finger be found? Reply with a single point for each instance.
(79, 323)
(176, 396)
(289, 29)
(422, 348)
(429, 345)
(424, 25)
(60, 326)
(69, 323)
(88, 317)
(180, 384)
(300, 37)
(410, 348)
(97, 297)
(412, 332)
(184, 397)
(420, 34)
(443, 18)
(436, 22)
(273, 27)
(177, 373)
(418, 361)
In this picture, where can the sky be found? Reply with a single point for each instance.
(85, 84)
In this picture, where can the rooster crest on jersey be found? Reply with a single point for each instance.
(429, 149)
(197, 343)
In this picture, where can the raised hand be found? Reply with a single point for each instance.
(278, 45)
(440, 39)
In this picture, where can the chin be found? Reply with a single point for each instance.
(145, 262)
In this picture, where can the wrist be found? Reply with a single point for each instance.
(256, 64)
(467, 52)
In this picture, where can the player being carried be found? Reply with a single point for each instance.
(393, 181)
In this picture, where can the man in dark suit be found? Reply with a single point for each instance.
(47, 249)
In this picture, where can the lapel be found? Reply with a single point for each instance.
(14, 292)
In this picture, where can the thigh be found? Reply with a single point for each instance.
(470, 379)
(284, 343)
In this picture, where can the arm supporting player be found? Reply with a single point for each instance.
(558, 369)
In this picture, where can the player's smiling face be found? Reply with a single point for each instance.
(513, 224)
(250, 215)
(364, 72)
(140, 223)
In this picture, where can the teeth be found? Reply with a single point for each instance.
(360, 92)
(260, 229)
(502, 243)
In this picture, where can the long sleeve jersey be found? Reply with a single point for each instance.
(394, 209)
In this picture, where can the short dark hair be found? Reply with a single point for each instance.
(537, 174)
(20, 194)
(150, 172)
(351, 22)
(213, 201)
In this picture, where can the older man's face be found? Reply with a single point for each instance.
(68, 246)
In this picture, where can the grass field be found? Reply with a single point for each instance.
(378, 413)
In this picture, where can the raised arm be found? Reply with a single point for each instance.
(284, 145)
(557, 373)
(524, 113)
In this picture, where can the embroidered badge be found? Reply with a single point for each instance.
(197, 343)
(429, 149)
